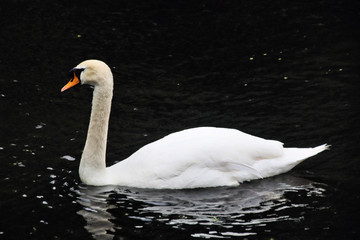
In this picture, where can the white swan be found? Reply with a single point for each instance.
(193, 158)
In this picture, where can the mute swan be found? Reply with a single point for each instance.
(192, 158)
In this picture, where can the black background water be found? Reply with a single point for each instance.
(286, 70)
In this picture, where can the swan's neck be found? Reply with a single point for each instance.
(93, 157)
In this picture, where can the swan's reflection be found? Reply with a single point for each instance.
(96, 210)
(103, 207)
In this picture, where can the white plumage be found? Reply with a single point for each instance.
(192, 158)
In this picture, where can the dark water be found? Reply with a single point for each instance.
(286, 70)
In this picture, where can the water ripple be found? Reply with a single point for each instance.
(245, 210)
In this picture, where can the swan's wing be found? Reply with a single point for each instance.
(201, 157)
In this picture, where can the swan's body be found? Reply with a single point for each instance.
(193, 158)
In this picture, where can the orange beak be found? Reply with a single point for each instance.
(71, 83)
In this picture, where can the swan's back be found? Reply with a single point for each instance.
(204, 157)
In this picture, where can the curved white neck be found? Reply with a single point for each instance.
(93, 157)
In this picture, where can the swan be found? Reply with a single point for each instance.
(192, 158)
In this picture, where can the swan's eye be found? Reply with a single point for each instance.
(75, 73)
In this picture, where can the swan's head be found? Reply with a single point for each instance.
(92, 72)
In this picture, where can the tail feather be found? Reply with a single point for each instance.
(290, 158)
(299, 154)
(322, 148)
